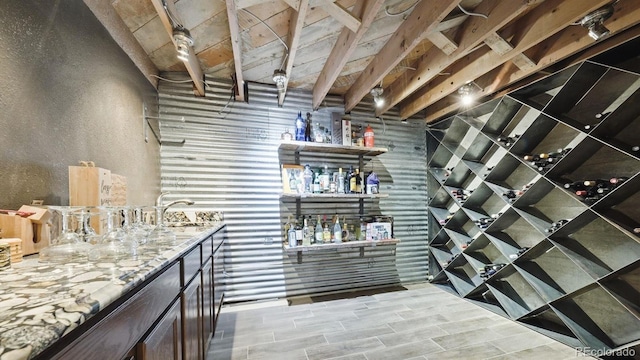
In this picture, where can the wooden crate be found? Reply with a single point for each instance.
(15, 246)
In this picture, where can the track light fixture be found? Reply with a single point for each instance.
(280, 78)
(183, 41)
(593, 21)
(467, 93)
(376, 92)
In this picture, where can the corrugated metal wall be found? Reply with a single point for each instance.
(229, 161)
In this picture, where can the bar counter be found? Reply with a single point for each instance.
(47, 308)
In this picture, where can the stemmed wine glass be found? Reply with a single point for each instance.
(68, 246)
(114, 245)
(161, 235)
(85, 230)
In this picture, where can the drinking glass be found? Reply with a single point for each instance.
(161, 235)
(68, 246)
(114, 245)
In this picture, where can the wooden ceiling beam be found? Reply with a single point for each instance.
(424, 19)
(472, 34)
(236, 46)
(540, 23)
(341, 14)
(343, 49)
(566, 48)
(502, 46)
(106, 14)
(443, 42)
(192, 64)
(572, 40)
(293, 40)
(243, 4)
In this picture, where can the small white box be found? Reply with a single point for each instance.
(336, 128)
(378, 231)
(346, 132)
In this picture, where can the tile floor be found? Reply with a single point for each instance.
(422, 322)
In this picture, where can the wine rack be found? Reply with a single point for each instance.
(507, 229)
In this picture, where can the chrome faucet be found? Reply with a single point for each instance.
(175, 202)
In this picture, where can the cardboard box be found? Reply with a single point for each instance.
(378, 231)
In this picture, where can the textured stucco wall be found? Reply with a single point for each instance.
(68, 93)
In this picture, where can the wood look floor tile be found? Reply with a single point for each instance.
(474, 352)
(363, 314)
(399, 338)
(520, 342)
(244, 340)
(271, 350)
(371, 321)
(329, 351)
(418, 322)
(336, 337)
(466, 325)
(465, 339)
(309, 329)
(405, 351)
(236, 353)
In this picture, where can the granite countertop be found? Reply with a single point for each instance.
(40, 303)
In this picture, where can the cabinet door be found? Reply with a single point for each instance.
(218, 277)
(165, 340)
(207, 305)
(191, 299)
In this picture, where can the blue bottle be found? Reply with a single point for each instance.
(300, 127)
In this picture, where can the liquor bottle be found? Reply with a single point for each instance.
(362, 235)
(326, 233)
(337, 231)
(316, 184)
(307, 128)
(319, 231)
(531, 157)
(340, 181)
(316, 133)
(300, 127)
(368, 136)
(306, 233)
(358, 181)
(299, 231)
(352, 181)
(286, 135)
(307, 176)
(325, 179)
(293, 241)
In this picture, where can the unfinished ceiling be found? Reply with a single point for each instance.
(420, 52)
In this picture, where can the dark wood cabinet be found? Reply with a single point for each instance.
(165, 341)
(169, 316)
(191, 299)
(207, 304)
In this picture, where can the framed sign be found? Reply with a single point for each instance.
(292, 181)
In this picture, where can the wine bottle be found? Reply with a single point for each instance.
(307, 128)
(319, 231)
(530, 157)
(358, 182)
(306, 232)
(350, 181)
(617, 181)
(337, 231)
(575, 186)
(596, 183)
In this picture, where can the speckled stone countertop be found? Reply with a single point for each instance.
(40, 303)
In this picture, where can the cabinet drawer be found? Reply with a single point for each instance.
(190, 265)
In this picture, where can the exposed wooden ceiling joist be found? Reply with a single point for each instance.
(570, 41)
(234, 29)
(344, 47)
(406, 37)
(104, 11)
(192, 64)
(293, 39)
(443, 42)
(472, 33)
(341, 14)
(544, 21)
